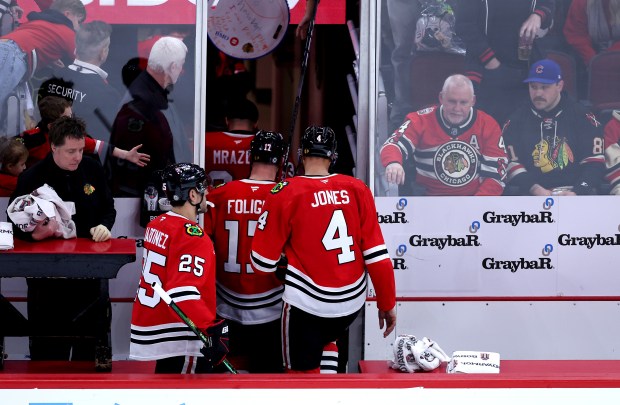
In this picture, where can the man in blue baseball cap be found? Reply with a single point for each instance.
(555, 144)
(546, 84)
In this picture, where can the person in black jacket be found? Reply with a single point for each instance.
(94, 100)
(491, 30)
(555, 145)
(75, 306)
(143, 121)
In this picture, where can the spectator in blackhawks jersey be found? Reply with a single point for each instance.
(612, 152)
(555, 144)
(227, 153)
(250, 302)
(180, 258)
(326, 225)
(457, 149)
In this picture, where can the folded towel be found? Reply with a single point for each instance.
(6, 236)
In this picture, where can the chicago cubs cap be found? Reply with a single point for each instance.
(544, 71)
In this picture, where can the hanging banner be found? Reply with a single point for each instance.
(181, 11)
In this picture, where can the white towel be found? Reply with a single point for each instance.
(6, 236)
(473, 362)
(29, 210)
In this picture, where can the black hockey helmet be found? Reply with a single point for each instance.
(267, 147)
(178, 179)
(319, 142)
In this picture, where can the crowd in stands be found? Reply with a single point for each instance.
(59, 114)
(537, 69)
(53, 65)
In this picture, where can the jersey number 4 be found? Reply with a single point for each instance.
(337, 237)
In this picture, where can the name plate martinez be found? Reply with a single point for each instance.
(472, 362)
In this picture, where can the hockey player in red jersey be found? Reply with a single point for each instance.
(326, 225)
(457, 149)
(227, 154)
(250, 302)
(179, 256)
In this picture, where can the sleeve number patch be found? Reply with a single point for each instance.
(192, 264)
(262, 220)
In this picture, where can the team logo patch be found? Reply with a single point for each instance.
(279, 187)
(88, 189)
(456, 163)
(194, 230)
(552, 154)
(135, 125)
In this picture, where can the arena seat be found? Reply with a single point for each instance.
(569, 71)
(428, 72)
(604, 81)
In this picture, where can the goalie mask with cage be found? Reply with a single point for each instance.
(267, 147)
(178, 179)
(319, 142)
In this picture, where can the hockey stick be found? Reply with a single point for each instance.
(206, 340)
(300, 85)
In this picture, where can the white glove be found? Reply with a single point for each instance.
(100, 233)
(428, 355)
(404, 359)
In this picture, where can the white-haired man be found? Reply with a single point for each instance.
(142, 119)
(456, 149)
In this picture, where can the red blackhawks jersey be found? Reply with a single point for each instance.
(612, 152)
(227, 155)
(179, 256)
(327, 227)
(467, 159)
(243, 295)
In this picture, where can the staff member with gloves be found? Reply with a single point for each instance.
(71, 306)
(554, 144)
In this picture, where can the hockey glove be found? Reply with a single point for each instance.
(412, 354)
(428, 355)
(217, 350)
